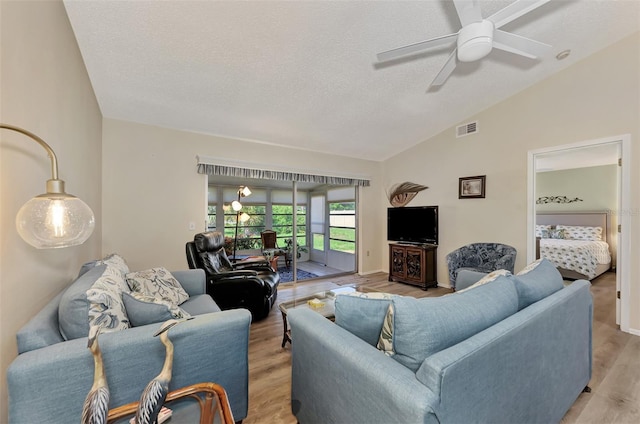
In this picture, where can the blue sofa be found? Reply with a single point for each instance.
(514, 350)
(48, 381)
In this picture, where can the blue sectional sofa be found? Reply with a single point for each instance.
(51, 376)
(516, 349)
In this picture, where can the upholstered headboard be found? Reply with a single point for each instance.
(588, 219)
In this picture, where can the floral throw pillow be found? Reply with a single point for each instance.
(159, 284)
(116, 261)
(385, 342)
(106, 308)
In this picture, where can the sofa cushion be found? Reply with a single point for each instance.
(537, 281)
(143, 310)
(73, 311)
(106, 308)
(200, 304)
(157, 283)
(362, 314)
(425, 326)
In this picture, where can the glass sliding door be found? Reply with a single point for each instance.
(324, 218)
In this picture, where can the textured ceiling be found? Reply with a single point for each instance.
(304, 74)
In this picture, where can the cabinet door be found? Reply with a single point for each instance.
(398, 268)
(415, 266)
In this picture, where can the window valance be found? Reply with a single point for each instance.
(212, 166)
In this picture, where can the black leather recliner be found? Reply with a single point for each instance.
(250, 284)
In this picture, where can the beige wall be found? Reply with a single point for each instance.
(595, 98)
(151, 189)
(44, 89)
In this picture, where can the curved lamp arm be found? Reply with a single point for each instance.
(50, 152)
(54, 219)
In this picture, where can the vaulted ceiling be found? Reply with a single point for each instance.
(304, 74)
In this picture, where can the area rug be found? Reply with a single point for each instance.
(286, 275)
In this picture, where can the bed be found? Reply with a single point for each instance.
(576, 243)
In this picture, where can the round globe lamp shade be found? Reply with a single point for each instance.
(55, 220)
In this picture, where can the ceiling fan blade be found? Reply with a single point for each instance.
(519, 45)
(468, 11)
(446, 70)
(514, 11)
(417, 47)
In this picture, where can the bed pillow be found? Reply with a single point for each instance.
(579, 232)
(536, 281)
(540, 230)
(554, 233)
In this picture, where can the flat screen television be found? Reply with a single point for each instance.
(417, 224)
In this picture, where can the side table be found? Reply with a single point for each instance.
(211, 399)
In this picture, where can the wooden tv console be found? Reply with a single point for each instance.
(413, 264)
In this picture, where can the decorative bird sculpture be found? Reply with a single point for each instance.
(154, 395)
(403, 193)
(96, 404)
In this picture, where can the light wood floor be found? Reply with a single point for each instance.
(615, 397)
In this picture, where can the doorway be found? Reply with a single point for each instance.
(622, 146)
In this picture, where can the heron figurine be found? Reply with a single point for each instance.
(154, 395)
(96, 404)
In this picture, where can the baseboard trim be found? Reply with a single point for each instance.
(371, 272)
(634, 331)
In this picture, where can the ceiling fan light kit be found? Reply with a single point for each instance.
(478, 37)
(475, 41)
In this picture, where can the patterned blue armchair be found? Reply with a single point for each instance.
(480, 257)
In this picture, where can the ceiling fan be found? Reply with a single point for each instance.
(477, 37)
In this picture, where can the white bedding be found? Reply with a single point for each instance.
(581, 256)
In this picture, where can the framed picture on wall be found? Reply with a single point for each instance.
(472, 187)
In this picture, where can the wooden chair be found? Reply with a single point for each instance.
(211, 398)
(270, 244)
(269, 239)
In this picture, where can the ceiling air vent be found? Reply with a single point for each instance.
(466, 129)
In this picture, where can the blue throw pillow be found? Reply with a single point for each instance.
(362, 315)
(73, 311)
(537, 281)
(143, 310)
(426, 326)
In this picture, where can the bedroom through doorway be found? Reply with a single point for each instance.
(582, 187)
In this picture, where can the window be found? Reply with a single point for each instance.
(282, 216)
(342, 226)
(249, 231)
(211, 218)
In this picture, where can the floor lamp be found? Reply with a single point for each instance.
(243, 191)
(54, 219)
